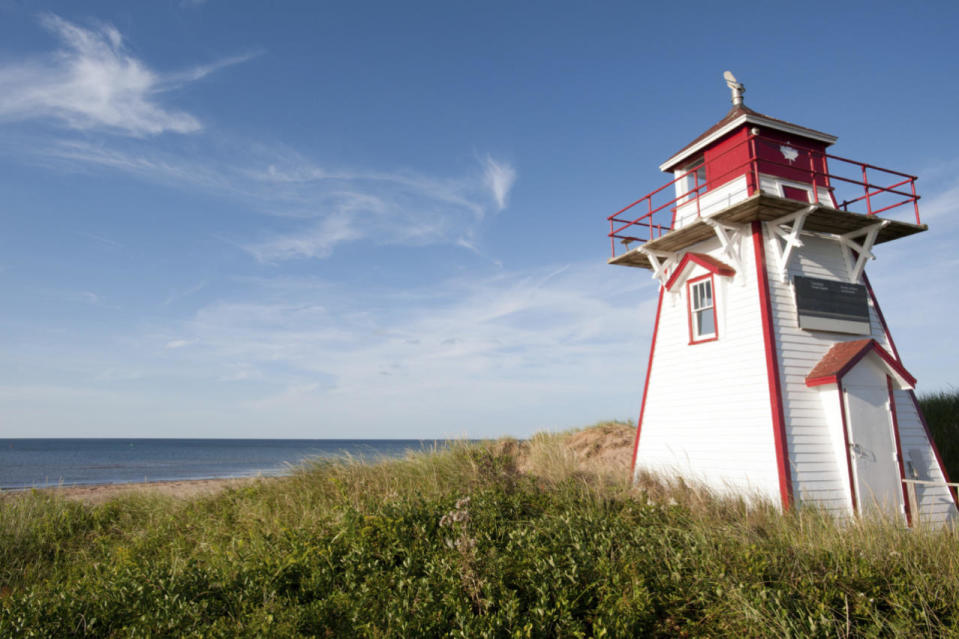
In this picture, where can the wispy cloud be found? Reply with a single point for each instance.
(316, 241)
(943, 203)
(499, 178)
(380, 207)
(322, 207)
(474, 346)
(94, 82)
(177, 343)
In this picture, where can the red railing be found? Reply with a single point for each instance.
(856, 182)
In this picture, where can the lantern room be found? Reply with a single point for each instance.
(749, 166)
(714, 170)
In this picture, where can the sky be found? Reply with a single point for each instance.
(383, 219)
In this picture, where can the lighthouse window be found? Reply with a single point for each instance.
(695, 176)
(702, 310)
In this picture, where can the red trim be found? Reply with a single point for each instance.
(882, 319)
(845, 356)
(845, 438)
(932, 442)
(649, 373)
(895, 432)
(912, 393)
(689, 309)
(708, 262)
(772, 368)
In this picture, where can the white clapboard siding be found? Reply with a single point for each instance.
(817, 453)
(816, 476)
(713, 201)
(774, 186)
(935, 502)
(814, 430)
(707, 415)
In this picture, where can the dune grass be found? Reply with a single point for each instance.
(941, 411)
(460, 542)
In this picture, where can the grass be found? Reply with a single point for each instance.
(507, 539)
(941, 411)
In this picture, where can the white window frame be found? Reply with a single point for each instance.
(686, 186)
(696, 310)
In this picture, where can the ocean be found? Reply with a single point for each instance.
(38, 463)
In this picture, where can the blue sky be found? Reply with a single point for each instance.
(388, 219)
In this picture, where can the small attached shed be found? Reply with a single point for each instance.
(857, 381)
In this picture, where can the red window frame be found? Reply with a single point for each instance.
(689, 309)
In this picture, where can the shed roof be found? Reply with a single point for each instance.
(842, 357)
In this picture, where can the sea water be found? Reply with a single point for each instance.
(26, 463)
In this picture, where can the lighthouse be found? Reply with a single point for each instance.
(772, 372)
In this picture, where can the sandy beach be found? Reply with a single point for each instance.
(606, 448)
(184, 489)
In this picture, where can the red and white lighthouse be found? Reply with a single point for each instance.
(772, 371)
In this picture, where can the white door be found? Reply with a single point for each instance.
(873, 449)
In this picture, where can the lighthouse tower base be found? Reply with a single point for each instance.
(748, 393)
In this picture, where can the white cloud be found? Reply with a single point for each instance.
(178, 343)
(317, 241)
(499, 178)
(381, 208)
(93, 81)
(485, 354)
(325, 207)
(942, 204)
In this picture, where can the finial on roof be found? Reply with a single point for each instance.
(737, 88)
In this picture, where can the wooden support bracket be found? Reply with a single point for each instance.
(661, 261)
(860, 251)
(730, 237)
(787, 229)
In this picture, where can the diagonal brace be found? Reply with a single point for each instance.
(661, 261)
(787, 229)
(730, 238)
(861, 251)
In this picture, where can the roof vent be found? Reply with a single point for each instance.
(736, 87)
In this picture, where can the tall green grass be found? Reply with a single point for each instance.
(460, 543)
(941, 411)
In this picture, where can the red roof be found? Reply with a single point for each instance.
(708, 262)
(737, 111)
(842, 357)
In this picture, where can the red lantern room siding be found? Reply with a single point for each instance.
(809, 165)
(730, 158)
(727, 159)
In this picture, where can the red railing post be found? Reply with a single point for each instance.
(696, 182)
(812, 174)
(865, 185)
(612, 240)
(650, 217)
(753, 168)
(915, 199)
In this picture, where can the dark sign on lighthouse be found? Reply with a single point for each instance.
(830, 305)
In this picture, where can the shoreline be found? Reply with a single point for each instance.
(177, 488)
